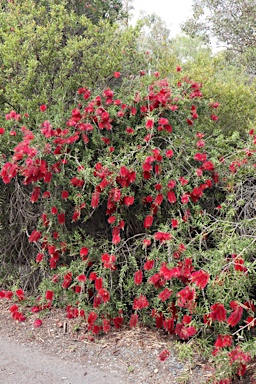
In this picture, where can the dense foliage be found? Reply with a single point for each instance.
(48, 52)
(128, 197)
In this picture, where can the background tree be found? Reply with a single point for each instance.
(95, 10)
(232, 23)
(48, 53)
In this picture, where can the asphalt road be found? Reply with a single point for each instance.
(24, 364)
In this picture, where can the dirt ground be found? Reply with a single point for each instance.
(59, 352)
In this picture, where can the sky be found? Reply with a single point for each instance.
(173, 12)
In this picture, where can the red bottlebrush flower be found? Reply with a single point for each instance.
(148, 199)
(35, 194)
(200, 144)
(169, 153)
(140, 302)
(175, 223)
(116, 194)
(168, 128)
(158, 200)
(97, 301)
(185, 332)
(186, 320)
(186, 296)
(18, 316)
(9, 295)
(61, 218)
(108, 261)
(165, 294)
(236, 315)
(185, 198)
(64, 195)
(148, 221)
(155, 279)
(34, 237)
(92, 317)
(163, 121)
(214, 117)
(111, 219)
(158, 187)
(223, 341)
(95, 199)
(76, 215)
(199, 172)
(239, 263)
(200, 278)
(138, 276)
(183, 181)
(46, 195)
(93, 276)
(98, 283)
(134, 320)
(106, 325)
(118, 321)
(67, 280)
(250, 321)
(77, 289)
(149, 264)
(20, 294)
(178, 69)
(13, 308)
(215, 104)
(37, 323)
(104, 293)
(53, 263)
(149, 124)
(51, 249)
(200, 157)
(117, 75)
(54, 210)
(128, 200)
(84, 253)
(81, 278)
(2, 130)
(77, 182)
(36, 309)
(168, 325)
(241, 370)
(116, 235)
(168, 273)
(146, 242)
(49, 295)
(164, 355)
(171, 197)
(171, 184)
(129, 130)
(208, 166)
(43, 108)
(237, 355)
(162, 236)
(218, 312)
(196, 193)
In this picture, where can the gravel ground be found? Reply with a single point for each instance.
(60, 351)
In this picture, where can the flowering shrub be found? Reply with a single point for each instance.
(142, 218)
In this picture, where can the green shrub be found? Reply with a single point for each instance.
(142, 219)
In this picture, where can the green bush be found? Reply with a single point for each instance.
(142, 219)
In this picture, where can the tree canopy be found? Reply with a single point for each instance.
(232, 23)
